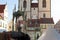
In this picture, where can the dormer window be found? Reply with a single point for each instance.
(0, 17)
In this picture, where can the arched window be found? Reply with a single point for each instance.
(44, 15)
(24, 4)
(44, 4)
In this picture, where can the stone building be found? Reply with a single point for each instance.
(38, 16)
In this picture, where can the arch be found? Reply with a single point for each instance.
(44, 4)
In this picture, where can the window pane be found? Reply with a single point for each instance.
(44, 15)
(44, 4)
(24, 4)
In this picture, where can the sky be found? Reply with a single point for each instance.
(10, 4)
(55, 8)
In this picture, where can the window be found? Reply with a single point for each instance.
(44, 4)
(41, 26)
(24, 4)
(9, 27)
(0, 17)
(44, 15)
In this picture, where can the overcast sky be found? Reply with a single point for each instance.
(55, 8)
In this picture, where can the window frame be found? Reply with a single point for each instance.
(44, 3)
(44, 15)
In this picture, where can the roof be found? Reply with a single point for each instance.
(46, 20)
(2, 7)
(37, 22)
(34, 20)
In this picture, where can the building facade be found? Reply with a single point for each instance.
(3, 16)
(38, 16)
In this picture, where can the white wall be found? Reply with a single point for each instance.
(5, 17)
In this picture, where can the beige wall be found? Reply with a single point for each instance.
(47, 14)
(45, 26)
(47, 5)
